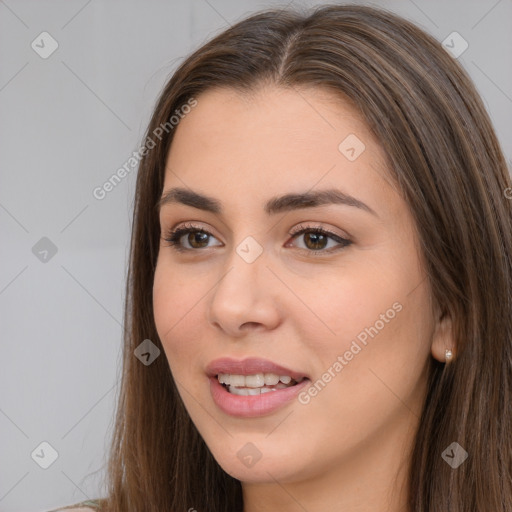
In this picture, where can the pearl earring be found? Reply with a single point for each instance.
(448, 355)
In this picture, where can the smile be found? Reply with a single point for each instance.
(253, 385)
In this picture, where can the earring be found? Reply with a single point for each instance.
(448, 355)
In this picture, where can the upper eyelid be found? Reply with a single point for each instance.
(296, 231)
(342, 242)
(315, 225)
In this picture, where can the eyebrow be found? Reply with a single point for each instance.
(273, 206)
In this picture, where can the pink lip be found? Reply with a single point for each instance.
(249, 366)
(256, 405)
(253, 405)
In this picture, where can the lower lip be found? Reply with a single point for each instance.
(253, 405)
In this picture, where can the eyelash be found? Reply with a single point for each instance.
(174, 237)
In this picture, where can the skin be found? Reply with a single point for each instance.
(348, 448)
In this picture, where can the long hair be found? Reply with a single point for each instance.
(445, 159)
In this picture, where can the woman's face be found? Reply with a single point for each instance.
(349, 310)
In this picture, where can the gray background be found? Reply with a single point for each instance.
(67, 123)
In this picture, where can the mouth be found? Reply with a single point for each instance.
(253, 387)
(256, 384)
(251, 367)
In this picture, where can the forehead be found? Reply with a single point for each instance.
(298, 115)
(273, 138)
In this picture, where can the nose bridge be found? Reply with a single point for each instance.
(247, 256)
(242, 294)
(244, 272)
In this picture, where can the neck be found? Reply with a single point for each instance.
(372, 478)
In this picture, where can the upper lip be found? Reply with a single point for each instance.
(250, 366)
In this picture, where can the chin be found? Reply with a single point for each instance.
(260, 460)
(264, 472)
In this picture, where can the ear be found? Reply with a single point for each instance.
(443, 338)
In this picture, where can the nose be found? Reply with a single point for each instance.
(244, 298)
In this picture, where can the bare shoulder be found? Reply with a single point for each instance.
(73, 509)
(86, 506)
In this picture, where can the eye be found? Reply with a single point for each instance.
(196, 238)
(316, 239)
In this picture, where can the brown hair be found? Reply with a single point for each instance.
(446, 160)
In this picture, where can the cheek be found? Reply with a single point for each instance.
(375, 348)
(176, 305)
(372, 313)
(344, 302)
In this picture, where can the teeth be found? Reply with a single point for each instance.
(271, 379)
(236, 380)
(248, 391)
(253, 391)
(255, 381)
(245, 391)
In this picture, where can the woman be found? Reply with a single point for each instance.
(321, 252)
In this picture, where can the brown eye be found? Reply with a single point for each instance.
(196, 238)
(316, 240)
(188, 238)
